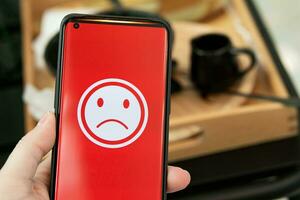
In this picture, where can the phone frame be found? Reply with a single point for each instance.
(105, 19)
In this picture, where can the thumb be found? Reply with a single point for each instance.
(25, 158)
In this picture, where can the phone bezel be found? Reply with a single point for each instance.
(130, 21)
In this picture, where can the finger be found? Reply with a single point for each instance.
(43, 171)
(178, 179)
(23, 161)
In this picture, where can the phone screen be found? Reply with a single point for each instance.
(112, 111)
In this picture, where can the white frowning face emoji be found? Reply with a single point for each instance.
(112, 113)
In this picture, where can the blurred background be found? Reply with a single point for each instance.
(209, 118)
(11, 84)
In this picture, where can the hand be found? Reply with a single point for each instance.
(26, 175)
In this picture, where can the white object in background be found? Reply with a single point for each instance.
(184, 133)
(38, 101)
(50, 25)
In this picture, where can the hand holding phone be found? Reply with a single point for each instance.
(33, 171)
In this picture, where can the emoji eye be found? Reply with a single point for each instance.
(100, 102)
(126, 103)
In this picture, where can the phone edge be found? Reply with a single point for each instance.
(58, 84)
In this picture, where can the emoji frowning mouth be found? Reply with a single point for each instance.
(112, 120)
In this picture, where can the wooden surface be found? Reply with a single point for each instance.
(264, 54)
(230, 130)
(28, 69)
(191, 9)
(198, 127)
(202, 128)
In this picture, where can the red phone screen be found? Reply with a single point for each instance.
(112, 112)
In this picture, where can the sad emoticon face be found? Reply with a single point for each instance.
(112, 113)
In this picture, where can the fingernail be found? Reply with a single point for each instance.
(44, 118)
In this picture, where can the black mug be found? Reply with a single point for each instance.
(214, 65)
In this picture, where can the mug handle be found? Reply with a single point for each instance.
(249, 53)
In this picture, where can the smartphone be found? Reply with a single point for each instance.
(112, 109)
